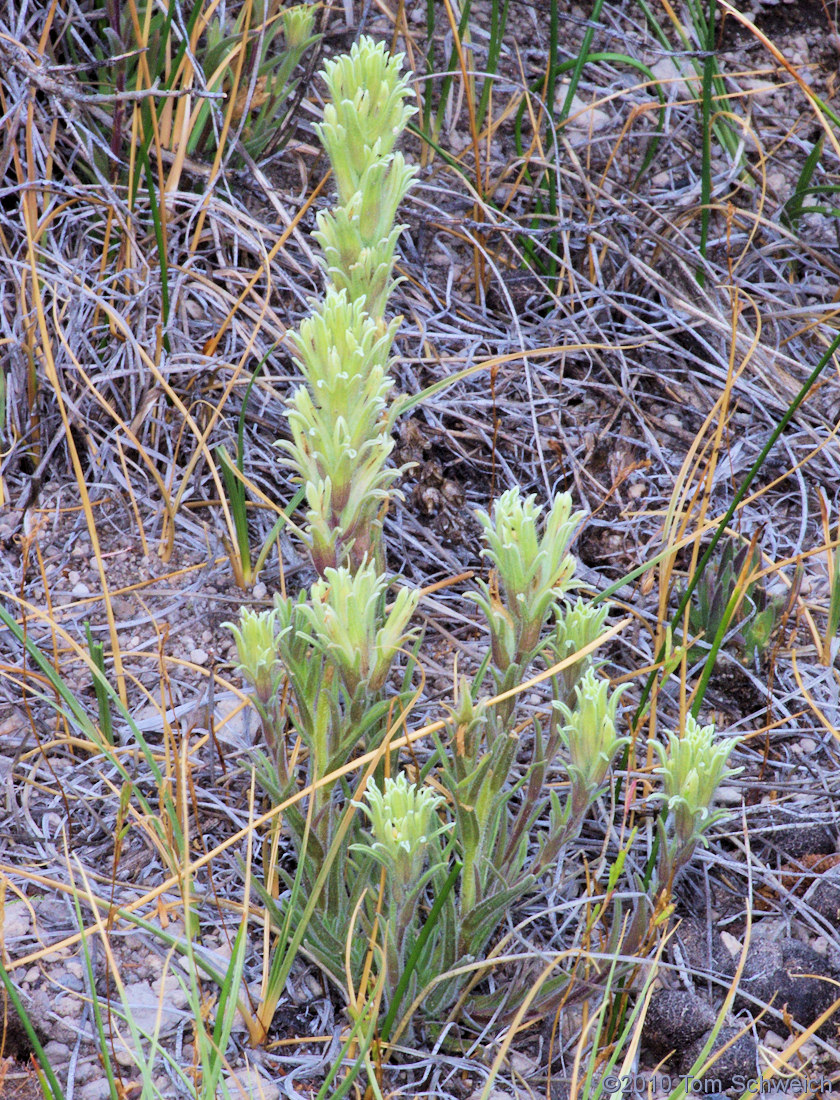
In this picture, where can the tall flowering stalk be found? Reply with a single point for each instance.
(530, 571)
(341, 419)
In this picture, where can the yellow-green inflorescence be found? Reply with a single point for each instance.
(691, 768)
(532, 570)
(348, 622)
(403, 823)
(341, 420)
(256, 648)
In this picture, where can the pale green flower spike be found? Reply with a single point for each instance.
(335, 533)
(590, 736)
(361, 125)
(341, 428)
(403, 820)
(297, 24)
(256, 648)
(692, 768)
(367, 113)
(359, 238)
(533, 571)
(577, 625)
(347, 621)
(343, 355)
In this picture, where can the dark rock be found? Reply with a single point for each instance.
(795, 841)
(704, 949)
(789, 974)
(739, 1060)
(824, 895)
(674, 1020)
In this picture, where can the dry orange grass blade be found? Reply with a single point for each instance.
(212, 345)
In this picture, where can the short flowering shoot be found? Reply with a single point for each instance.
(298, 22)
(256, 648)
(404, 838)
(691, 769)
(403, 823)
(258, 662)
(347, 621)
(576, 626)
(533, 570)
(589, 733)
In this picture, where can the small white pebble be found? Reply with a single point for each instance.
(733, 946)
(251, 1084)
(74, 576)
(80, 589)
(259, 591)
(198, 656)
(729, 796)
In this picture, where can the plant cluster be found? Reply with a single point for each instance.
(426, 863)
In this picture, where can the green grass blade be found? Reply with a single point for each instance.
(742, 491)
(709, 71)
(791, 212)
(236, 500)
(55, 1092)
(97, 655)
(103, 1046)
(498, 25)
(74, 712)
